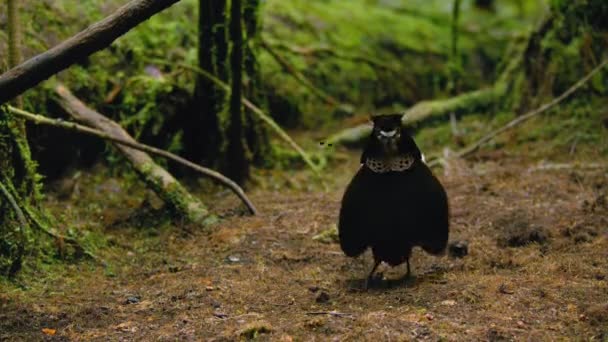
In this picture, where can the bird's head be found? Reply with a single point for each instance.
(387, 131)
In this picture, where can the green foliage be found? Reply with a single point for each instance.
(411, 38)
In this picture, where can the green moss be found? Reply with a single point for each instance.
(411, 37)
(179, 201)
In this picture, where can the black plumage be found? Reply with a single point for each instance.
(394, 202)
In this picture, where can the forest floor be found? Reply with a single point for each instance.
(537, 267)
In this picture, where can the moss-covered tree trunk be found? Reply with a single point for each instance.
(19, 193)
(255, 134)
(213, 134)
(203, 131)
(14, 48)
(237, 164)
(569, 44)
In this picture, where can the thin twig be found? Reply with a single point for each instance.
(560, 166)
(16, 208)
(476, 145)
(255, 109)
(330, 313)
(39, 119)
(23, 226)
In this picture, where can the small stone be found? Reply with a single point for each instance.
(220, 315)
(504, 289)
(132, 300)
(429, 316)
(323, 297)
(458, 249)
(234, 259)
(521, 324)
(448, 302)
(209, 288)
(313, 289)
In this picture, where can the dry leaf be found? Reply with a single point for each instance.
(48, 331)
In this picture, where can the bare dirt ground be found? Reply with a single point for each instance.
(537, 269)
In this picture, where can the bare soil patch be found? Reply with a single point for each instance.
(536, 269)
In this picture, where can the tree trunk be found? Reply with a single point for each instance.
(214, 136)
(237, 165)
(569, 44)
(255, 134)
(20, 191)
(14, 42)
(203, 132)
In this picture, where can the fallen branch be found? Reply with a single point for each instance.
(255, 109)
(39, 119)
(92, 39)
(298, 75)
(563, 166)
(476, 145)
(177, 198)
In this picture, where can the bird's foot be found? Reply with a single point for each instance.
(408, 279)
(373, 279)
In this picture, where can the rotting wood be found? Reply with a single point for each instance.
(94, 38)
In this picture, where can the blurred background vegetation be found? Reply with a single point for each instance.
(374, 56)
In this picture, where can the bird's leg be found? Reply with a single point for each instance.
(370, 277)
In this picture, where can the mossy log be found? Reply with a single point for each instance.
(94, 38)
(175, 196)
(427, 111)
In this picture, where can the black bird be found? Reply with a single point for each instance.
(394, 202)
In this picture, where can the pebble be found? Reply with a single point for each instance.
(458, 249)
(132, 300)
(323, 297)
(234, 258)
